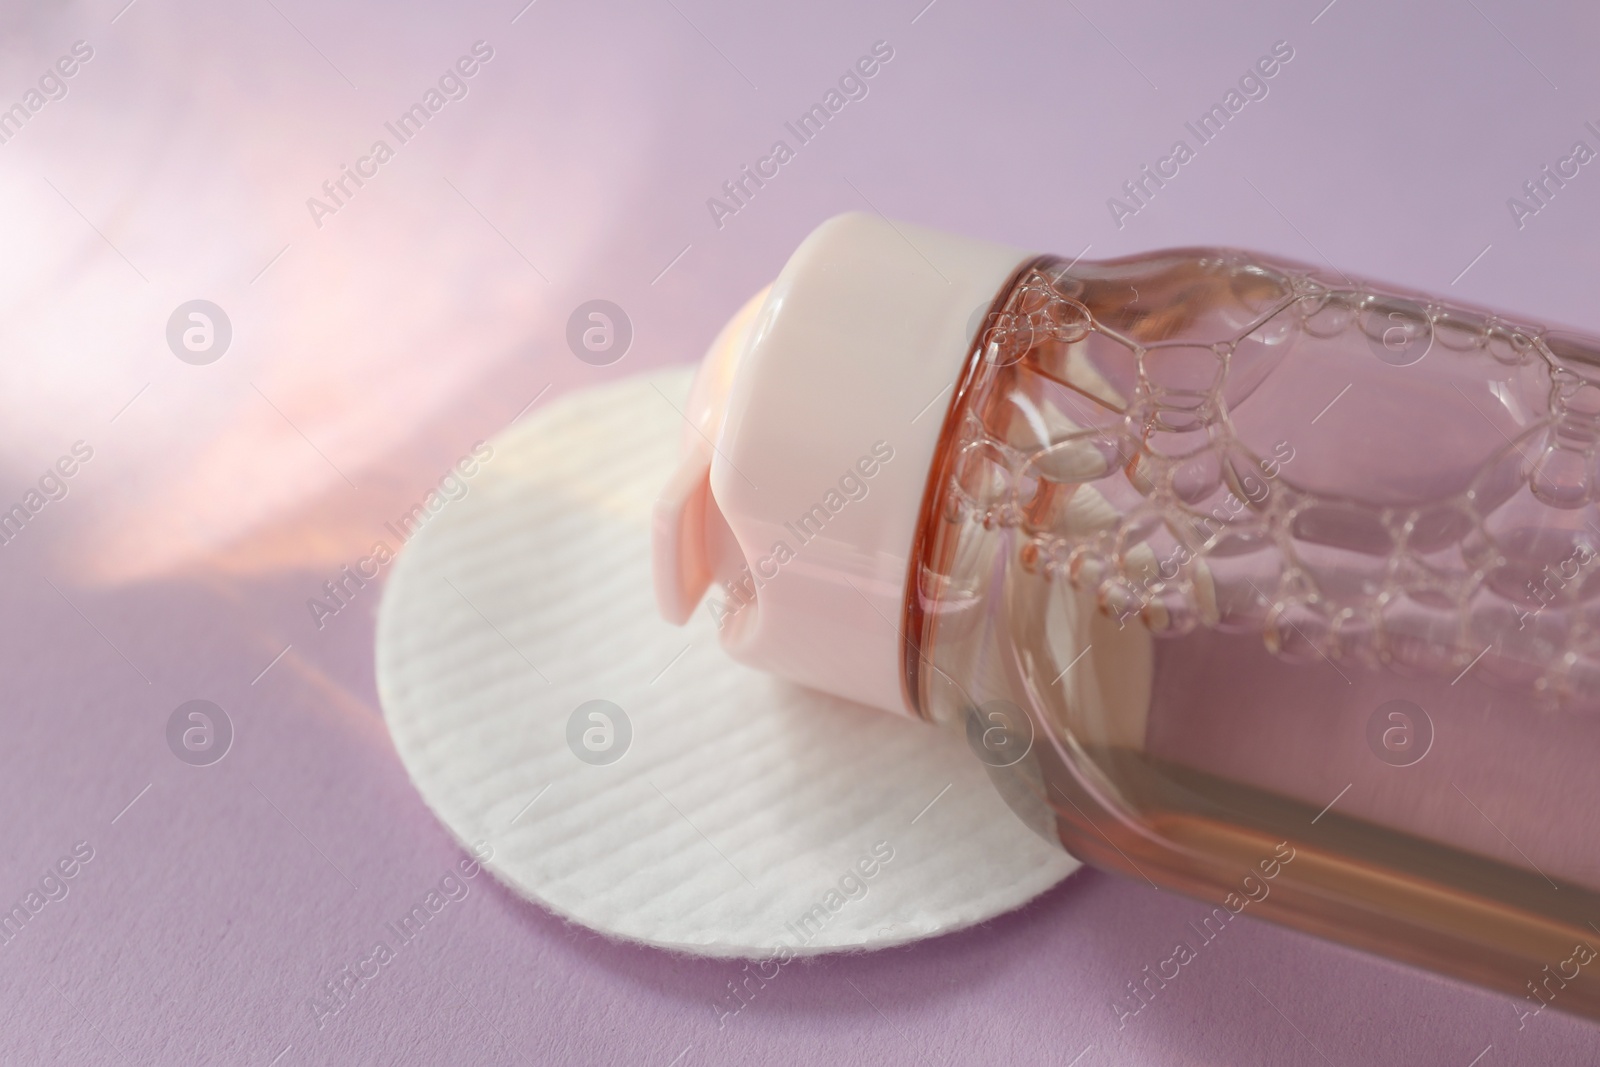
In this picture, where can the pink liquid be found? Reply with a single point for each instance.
(1224, 556)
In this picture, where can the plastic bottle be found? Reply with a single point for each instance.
(1247, 579)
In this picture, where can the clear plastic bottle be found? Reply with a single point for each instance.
(1247, 579)
(1359, 526)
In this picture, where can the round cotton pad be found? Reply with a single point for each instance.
(627, 774)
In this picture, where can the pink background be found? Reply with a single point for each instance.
(369, 353)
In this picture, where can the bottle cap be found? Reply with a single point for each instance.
(813, 423)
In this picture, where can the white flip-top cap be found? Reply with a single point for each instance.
(814, 420)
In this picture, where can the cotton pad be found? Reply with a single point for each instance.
(628, 775)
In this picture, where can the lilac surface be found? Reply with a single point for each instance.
(427, 312)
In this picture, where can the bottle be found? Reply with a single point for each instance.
(1247, 579)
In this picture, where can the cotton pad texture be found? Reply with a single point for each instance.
(626, 773)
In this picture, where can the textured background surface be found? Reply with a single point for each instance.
(369, 353)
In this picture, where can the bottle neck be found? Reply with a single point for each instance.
(926, 594)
